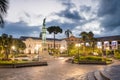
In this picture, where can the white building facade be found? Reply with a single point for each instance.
(34, 44)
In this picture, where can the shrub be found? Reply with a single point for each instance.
(21, 55)
(117, 54)
(89, 58)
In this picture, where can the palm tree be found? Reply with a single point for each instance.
(55, 30)
(92, 40)
(3, 11)
(90, 37)
(84, 36)
(67, 33)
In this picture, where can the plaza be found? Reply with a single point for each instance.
(57, 69)
(59, 39)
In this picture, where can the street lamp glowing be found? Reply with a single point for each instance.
(62, 49)
(13, 47)
(99, 47)
(37, 47)
(78, 45)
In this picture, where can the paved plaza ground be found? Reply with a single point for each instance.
(57, 69)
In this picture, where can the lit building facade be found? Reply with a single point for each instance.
(73, 40)
(105, 43)
(34, 44)
(109, 42)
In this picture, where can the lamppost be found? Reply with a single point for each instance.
(100, 47)
(62, 49)
(107, 48)
(13, 49)
(37, 49)
(78, 45)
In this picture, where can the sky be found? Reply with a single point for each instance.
(25, 17)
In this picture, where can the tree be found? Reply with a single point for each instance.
(67, 33)
(55, 30)
(88, 37)
(20, 46)
(3, 11)
(84, 37)
(6, 43)
(92, 40)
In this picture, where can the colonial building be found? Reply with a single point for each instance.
(73, 40)
(34, 44)
(109, 42)
(105, 43)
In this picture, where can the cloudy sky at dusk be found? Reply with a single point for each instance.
(25, 17)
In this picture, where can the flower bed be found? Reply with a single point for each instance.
(92, 60)
(16, 64)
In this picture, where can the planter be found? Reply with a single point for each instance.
(92, 62)
(29, 64)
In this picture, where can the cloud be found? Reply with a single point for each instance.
(64, 26)
(70, 11)
(109, 11)
(70, 15)
(25, 17)
(85, 8)
(92, 25)
(20, 29)
(31, 11)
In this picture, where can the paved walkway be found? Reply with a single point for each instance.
(110, 72)
(57, 69)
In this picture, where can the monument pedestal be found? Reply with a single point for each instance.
(44, 53)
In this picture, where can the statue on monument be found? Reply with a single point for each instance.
(44, 52)
(44, 21)
(44, 32)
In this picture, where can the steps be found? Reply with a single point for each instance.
(90, 76)
(98, 76)
(105, 75)
(108, 73)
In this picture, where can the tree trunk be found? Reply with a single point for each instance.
(68, 47)
(54, 40)
(84, 48)
(6, 54)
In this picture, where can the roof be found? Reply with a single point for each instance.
(105, 38)
(37, 38)
(108, 38)
(26, 37)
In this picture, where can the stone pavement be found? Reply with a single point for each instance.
(57, 69)
(111, 72)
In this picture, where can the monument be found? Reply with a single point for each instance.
(44, 54)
